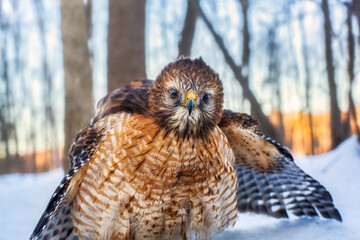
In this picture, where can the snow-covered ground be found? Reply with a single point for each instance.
(23, 197)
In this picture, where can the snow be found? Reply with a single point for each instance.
(23, 197)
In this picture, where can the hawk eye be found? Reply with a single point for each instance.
(206, 98)
(173, 94)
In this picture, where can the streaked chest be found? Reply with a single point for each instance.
(146, 183)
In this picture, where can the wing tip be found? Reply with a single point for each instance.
(332, 213)
(336, 215)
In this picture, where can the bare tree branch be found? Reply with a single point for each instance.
(256, 109)
(188, 32)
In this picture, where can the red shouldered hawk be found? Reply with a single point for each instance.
(162, 160)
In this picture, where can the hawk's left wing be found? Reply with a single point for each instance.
(269, 180)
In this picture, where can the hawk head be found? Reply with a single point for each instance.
(187, 97)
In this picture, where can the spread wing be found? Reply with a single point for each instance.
(55, 222)
(269, 180)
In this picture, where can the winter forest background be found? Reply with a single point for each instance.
(292, 64)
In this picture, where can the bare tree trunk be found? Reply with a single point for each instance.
(126, 42)
(33, 141)
(335, 114)
(88, 9)
(307, 84)
(246, 37)
(281, 129)
(188, 32)
(273, 78)
(79, 106)
(351, 70)
(356, 8)
(18, 68)
(16, 140)
(4, 138)
(49, 122)
(256, 109)
(5, 131)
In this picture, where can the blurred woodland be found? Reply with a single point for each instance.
(293, 65)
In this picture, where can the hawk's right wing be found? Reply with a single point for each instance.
(269, 180)
(56, 222)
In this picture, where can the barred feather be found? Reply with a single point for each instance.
(269, 180)
(55, 222)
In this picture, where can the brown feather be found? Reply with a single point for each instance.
(251, 149)
(243, 120)
(131, 99)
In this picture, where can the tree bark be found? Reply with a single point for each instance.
(335, 114)
(79, 106)
(188, 32)
(256, 109)
(351, 70)
(126, 42)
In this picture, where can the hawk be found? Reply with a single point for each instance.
(162, 160)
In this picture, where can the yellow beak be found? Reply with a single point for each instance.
(190, 102)
(190, 95)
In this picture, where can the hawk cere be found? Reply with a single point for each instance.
(162, 160)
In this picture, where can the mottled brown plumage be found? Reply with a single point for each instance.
(163, 160)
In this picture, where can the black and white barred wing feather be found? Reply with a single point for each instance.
(283, 189)
(56, 222)
(269, 180)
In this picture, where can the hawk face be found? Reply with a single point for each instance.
(187, 97)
